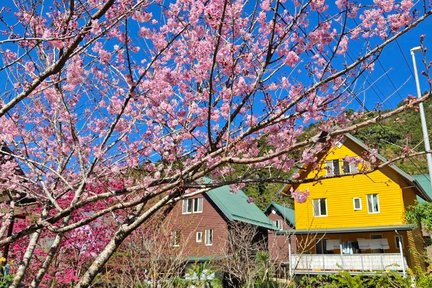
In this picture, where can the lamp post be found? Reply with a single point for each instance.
(422, 114)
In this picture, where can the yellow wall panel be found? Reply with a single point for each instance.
(393, 192)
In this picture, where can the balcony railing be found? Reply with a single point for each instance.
(350, 262)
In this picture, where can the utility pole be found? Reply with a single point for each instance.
(422, 114)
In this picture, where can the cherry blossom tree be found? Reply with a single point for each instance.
(113, 109)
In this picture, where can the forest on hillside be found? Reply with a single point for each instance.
(390, 137)
(395, 134)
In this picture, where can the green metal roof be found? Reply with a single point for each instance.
(236, 207)
(423, 181)
(286, 212)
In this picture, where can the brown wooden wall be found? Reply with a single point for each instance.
(278, 244)
(189, 224)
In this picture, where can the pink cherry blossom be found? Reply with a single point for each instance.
(300, 196)
(113, 106)
(292, 58)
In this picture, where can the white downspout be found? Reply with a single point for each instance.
(290, 264)
(401, 253)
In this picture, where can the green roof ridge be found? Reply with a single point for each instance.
(286, 212)
(236, 207)
(423, 182)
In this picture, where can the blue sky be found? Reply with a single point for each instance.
(395, 70)
(392, 72)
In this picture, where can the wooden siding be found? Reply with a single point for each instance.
(278, 244)
(393, 192)
(188, 224)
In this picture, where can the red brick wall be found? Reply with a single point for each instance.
(189, 224)
(278, 244)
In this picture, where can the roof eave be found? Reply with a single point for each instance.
(351, 230)
(423, 193)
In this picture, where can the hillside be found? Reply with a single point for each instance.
(392, 135)
(389, 137)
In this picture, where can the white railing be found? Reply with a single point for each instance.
(351, 262)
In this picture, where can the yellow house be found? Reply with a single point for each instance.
(354, 219)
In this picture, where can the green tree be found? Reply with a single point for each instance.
(421, 213)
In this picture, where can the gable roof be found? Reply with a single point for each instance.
(411, 179)
(286, 212)
(423, 181)
(380, 157)
(236, 206)
(421, 188)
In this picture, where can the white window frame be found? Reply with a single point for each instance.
(331, 171)
(175, 235)
(278, 223)
(192, 205)
(208, 241)
(354, 203)
(186, 205)
(329, 168)
(397, 237)
(371, 209)
(345, 163)
(353, 168)
(198, 204)
(199, 236)
(318, 200)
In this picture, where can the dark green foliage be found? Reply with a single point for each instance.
(263, 192)
(317, 281)
(393, 134)
(383, 280)
(199, 274)
(390, 137)
(265, 272)
(420, 213)
(5, 281)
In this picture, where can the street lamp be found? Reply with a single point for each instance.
(422, 114)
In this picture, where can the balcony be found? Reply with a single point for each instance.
(321, 263)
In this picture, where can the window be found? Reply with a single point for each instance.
(357, 203)
(353, 168)
(399, 240)
(346, 167)
(175, 238)
(198, 205)
(349, 168)
(278, 223)
(373, 203)
(193, 205)
(333, 168)
(320, 247)
(187, 206)
(377, 236)
(320, 207)
(209, 237)
(198, 237)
